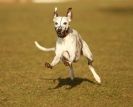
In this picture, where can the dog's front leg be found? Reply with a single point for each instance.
(53, 63)
(71, 72)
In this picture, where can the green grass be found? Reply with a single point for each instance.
(24, 81)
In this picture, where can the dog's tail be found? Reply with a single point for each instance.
(43, 48)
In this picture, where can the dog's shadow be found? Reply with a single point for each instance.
(70, 83)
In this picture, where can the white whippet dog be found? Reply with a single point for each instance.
(69, 45)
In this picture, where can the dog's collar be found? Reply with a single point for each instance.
(64, 33)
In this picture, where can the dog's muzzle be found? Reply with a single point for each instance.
(62, 33)
(59, 31)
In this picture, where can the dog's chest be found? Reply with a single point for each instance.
(66, 44)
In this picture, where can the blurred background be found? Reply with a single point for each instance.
(107, 27)
(30, 1)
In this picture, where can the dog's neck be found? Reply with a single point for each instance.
(64, 33)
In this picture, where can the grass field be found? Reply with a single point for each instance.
(24, 81)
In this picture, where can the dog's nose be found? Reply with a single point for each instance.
(59, 29)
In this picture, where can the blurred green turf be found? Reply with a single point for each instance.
(24, 81)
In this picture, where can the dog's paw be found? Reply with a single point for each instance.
(48, 65)
(66, 63)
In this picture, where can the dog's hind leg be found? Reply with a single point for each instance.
(96, 76)
(87, 53)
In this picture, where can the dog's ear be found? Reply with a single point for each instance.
(55, 12)
(69, 13)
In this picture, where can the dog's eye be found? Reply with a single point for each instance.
(56, 23)
(65, 23)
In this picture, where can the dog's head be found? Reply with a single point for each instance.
(61, 23)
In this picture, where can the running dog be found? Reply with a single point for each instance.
(69, 45)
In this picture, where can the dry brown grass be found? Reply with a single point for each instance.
(24, 82)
